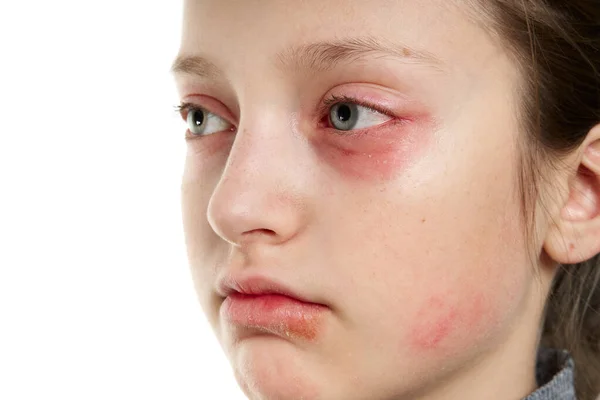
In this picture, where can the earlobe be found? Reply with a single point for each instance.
(574, 236)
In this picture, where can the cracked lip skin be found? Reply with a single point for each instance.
(265, 307)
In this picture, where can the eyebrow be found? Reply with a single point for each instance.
(319, 56)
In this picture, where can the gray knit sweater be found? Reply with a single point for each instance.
(554, 374)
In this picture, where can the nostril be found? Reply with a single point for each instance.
(257, 234)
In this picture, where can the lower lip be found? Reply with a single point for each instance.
(274, 313)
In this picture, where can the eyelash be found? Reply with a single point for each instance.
(187, 107)
(323, 110)
(333, 99)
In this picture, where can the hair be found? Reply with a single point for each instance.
(556, 47)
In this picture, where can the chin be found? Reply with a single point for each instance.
(270, 368)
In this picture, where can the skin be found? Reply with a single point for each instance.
(409, 233)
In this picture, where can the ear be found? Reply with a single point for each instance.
(574, 236)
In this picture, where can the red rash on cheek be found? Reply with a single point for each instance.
(379, 153)
(440, 320)
(436, 321)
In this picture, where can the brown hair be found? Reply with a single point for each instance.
(556, 46)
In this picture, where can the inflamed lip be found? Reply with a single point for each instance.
(276, 314)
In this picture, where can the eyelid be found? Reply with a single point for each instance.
(383, 99)
(207, 104)
(333, 99)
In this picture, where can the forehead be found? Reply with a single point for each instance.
(240, 31)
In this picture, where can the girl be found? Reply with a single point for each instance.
(396, 199)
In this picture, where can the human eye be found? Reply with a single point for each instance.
(202, 122)
(349, 114)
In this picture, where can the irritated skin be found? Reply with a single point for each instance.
(408, 231)
(380, 154)
(275, 314)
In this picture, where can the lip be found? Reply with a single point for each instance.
(258, 304)
(256, 285)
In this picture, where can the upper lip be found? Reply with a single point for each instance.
(255, 285)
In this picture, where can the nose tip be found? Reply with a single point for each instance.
(262, 214)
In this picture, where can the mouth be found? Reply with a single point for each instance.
(265, 306)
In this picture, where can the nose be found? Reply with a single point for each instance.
(261, 196)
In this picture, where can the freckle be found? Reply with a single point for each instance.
(571, 247)
(406, 52)
(423, 220)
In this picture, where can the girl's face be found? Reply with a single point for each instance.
(362, 155)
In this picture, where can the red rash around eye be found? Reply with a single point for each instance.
(376, 153)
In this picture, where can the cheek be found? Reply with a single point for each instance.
(473, 300)
(204, 164)
(200, 176)
(452, 268)
(362, 165)
(202, 171)
(442, 319)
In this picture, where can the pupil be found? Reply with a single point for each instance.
(344, 113)
(198, 118)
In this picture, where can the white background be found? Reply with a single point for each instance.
(96, 299)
